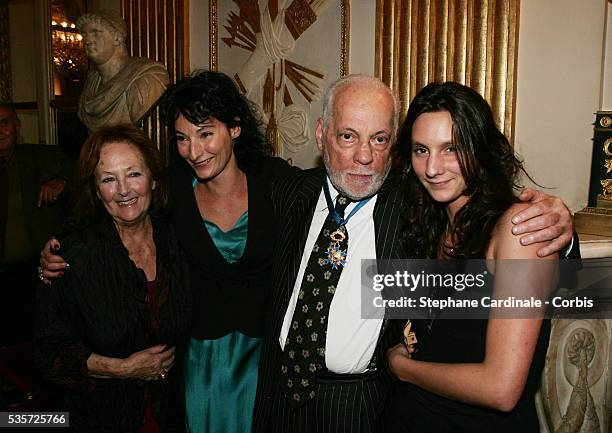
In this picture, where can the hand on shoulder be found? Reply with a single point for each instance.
(506, 245)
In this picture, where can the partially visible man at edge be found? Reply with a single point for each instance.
(32, 180)
(321, 365)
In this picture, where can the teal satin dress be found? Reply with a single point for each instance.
(221, 374)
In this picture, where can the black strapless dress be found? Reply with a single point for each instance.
(413, 409)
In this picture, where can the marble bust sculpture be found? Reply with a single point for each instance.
(120, 88)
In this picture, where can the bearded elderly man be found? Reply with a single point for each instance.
(120, 89)
(321, 364)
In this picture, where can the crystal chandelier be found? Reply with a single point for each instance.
(68, 54)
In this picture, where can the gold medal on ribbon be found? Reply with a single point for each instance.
(334, 255)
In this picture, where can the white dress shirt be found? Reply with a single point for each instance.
(351, 339)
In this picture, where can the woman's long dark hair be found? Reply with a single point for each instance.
(213, 94)
(487, 163)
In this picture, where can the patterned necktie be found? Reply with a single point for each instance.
(304, 352)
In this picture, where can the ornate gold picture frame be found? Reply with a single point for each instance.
(283, 54)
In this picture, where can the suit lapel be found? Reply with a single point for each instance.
(300, 202)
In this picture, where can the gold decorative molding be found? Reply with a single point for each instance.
(159, 30)
(606, 194)
(213, 36)
(607, 145)
(472, 42)
(346, 32)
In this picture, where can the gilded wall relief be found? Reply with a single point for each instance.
(282, 54)
(576, 381)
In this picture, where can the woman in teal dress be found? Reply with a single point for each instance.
(221, 211)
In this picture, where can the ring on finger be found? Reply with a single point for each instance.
(41, 277)
(164, 374)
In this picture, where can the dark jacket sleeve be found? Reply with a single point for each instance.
(59, 352)
(280, 168)
(574, 253)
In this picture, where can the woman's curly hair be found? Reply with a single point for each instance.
(488, 165)
(208, 94)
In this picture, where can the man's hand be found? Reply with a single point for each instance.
(50, 191)
(547, 219)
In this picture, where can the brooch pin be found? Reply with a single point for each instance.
(338, 235)
(335, 256)
(409, 337)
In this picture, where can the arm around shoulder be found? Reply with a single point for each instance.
(279, 168)
(506, 245)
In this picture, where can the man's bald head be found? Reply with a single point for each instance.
(358, 81)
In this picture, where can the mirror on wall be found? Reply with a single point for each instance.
(68, 72)
(69, 59)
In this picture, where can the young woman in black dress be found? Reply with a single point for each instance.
(467, 375)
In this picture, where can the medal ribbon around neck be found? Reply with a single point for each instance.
(334, 255)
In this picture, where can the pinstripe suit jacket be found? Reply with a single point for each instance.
(294, 200)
